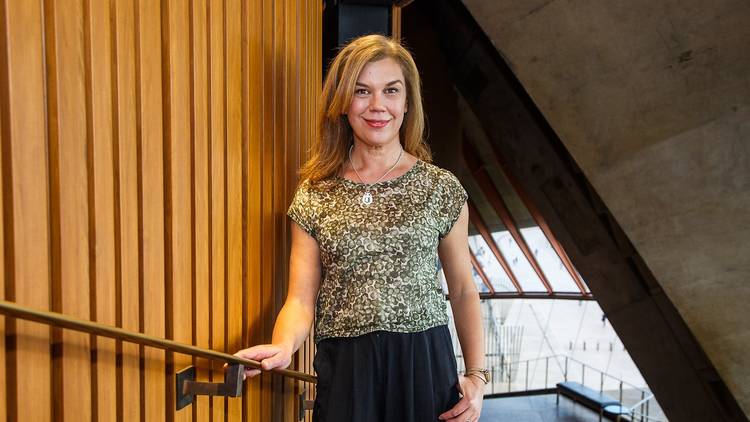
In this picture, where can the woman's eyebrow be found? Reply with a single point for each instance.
(397, 81)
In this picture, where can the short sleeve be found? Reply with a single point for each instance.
(452, 198)
(301, 210)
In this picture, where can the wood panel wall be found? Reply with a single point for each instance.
(148, 153)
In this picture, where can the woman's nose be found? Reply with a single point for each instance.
(376, 101)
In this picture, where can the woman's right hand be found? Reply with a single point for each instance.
(271, 356)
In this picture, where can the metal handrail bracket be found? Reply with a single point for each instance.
(188, 387)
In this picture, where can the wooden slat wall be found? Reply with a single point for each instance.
(148, 153)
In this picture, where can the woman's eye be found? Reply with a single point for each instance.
(361, 91)
(391, 91)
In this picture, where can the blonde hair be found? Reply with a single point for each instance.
(329, 153)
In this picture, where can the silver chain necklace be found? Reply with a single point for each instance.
(367, 197)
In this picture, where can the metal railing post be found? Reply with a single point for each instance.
(494, 378)
(583, 374)
(508, 377)
(527, 375)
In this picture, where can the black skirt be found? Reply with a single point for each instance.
(386, 376)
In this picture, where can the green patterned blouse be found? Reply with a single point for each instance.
(379, 261)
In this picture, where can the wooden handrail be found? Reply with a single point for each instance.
(61, 320)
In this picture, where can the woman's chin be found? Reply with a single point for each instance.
(378, 140)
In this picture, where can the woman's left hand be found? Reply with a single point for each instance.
(469, 407)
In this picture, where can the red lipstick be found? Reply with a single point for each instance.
(377, 123)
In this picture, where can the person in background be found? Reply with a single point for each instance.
(370, 218)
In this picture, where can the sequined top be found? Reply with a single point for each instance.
(379, 261)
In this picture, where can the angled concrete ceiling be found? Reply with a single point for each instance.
(652, 99)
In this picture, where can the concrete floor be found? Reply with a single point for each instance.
(535, 409)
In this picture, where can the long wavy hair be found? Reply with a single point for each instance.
(328, 153)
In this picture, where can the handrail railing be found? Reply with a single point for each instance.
(65, 321)
(640, 411)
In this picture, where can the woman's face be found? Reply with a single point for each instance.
(379, 103)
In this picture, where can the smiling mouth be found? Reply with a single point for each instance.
(377, 123)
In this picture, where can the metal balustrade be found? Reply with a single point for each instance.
(541, 375)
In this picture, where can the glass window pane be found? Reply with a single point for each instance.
(518, 263)
(497, 275)
(552, 266)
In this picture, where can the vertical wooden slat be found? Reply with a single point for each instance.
(217, 160)
(396, 22)
(267, 140)
(286, 172)
(127, 187)
(200, 186)
(139, 193)
(152, 204)
(245, 182)
(234, 184)
(254, 96)
(90, 197)
(182, 312)
(276, 185)
(191, 145)
(73, 209)
(29, 355)
(166, 111)
(3, 135)
(53, 172)
(100, 56)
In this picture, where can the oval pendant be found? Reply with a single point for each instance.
(367, 198)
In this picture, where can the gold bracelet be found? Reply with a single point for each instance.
(481, 373)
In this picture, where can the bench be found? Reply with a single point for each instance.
(586, 396)
(616, 412)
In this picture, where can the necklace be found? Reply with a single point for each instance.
(367, 197)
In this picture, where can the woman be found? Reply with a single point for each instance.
(369, 220)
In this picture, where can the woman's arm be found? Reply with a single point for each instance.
(295, 318)
(464, 298)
